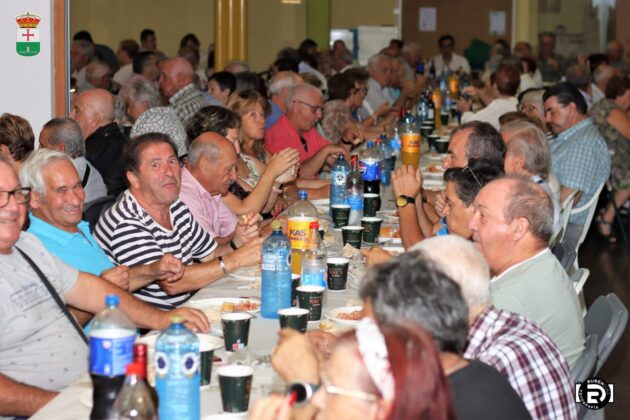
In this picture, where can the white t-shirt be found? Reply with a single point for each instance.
(457, 62)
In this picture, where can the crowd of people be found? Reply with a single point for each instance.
(167, 173)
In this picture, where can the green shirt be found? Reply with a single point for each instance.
(540, 289)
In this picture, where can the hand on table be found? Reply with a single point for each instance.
(375, 255)
(295, 358)
(118, 276)
(407, 181)
(194, 319)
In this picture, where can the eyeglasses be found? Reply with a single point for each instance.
(22, 196)
(473, 174)
(313, 108)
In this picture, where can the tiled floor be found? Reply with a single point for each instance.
(610, 272)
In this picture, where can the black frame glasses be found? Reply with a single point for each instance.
(21, 195)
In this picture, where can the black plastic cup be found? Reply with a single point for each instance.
(371, 204)
(432, 138)
(235, 382)
(206, 350)
(371, 229)
(294, 318)
(340, 215)
(311, 298)
(352, 235)
(295, 283)
(444, 116)
(337, 273)
(441, 145)
(235, 330)
(426, 129)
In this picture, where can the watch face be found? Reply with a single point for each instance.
(401, 201)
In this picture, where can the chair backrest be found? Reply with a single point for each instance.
(607, 318)
(585, 365)
(578, 278)
(564, 254)
(93, 210)
(588, 207)
(565, 209)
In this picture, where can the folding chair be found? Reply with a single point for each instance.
(565, 208)
(585, 365)
(589, 207)
(611, 197)
(607, 318)
(564, 254)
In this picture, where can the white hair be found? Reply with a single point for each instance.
(299, 91)
(142, 90)
(375, 59)
(31, 173)
(461, 261)
(602, 73)
(283, 80)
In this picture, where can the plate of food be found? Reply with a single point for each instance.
(346, 315)
(432, 171)
(247, 274)
(228, 304)
(321, 202)
(86, 398)
(435, 156)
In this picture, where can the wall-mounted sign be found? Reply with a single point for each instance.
(27, 43)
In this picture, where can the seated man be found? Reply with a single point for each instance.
(104, 141)
(149, 221)
(447, 60)
(297, 129)
(510, 343)
(379, 99)
(177, 78)
(40, 351)
(512, 226)
(279, 88)
(579, 154)
(64, 135)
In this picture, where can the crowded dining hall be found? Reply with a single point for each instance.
(299, 209)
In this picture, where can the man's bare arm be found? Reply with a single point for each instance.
(17, 399)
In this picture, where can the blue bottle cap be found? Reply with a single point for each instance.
(370, 144)
(302, 195)
(111, 300)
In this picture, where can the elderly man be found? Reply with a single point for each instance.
(127, 51)
(81, 53)
(410, 54)
(145, 66)
(342, 60)
(149, 221)
(511, 226)
(528, 155)
(601, 76)
(530, 102)
(579, 154)
(40, 351)
(506, 81)
(380, 68)
(98, 76)
(297, 129)
(510, 343)
(64, 135)
(210, 171)
(104, 141)
(614, 52)
(279, 88)
(177, 78)
(447, 59)
(550, 64)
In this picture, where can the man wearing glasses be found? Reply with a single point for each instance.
(297, 129)
(447, 59)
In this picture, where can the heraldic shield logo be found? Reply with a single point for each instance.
(27, 43)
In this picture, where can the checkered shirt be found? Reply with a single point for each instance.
(580, 160)
(187, 101)
(532, 363)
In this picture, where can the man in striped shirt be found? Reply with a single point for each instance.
(149, 220)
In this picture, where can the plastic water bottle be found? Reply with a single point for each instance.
(177, 377)
(370, 166)
(134, 399)
(355, 192)
(276, 273)
(338, 178)
(314, 267)
(386, 162)
(300, 215)
(111, 349)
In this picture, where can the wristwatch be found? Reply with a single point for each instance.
(303, 392)
(403, 200)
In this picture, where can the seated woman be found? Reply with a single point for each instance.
(388, 372)
(610, 116)
(17, 139)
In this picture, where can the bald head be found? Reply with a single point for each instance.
(93, 109)
(212, 161)
(304, 106)
(175, 73)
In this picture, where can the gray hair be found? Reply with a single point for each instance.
(410, 47)
(236, 66)
(143, 91)
(375, 59)
(86, 47)
(529, 200)
(298, 91)
(282, 80)
(469, 269)
(529, 141)
(535, 98)
(66, 131)
(203, 148)
(96, 69)
(603, 72)
(31, 173)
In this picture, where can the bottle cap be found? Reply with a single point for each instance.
(370, 144)
(134, 369)
(111, 300)
(140, 350)
(177, 319)
(276, 225)
(302, 195)
(314, 225)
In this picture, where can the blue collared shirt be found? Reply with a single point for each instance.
(78, 250)
(273, 116)
(580, 160)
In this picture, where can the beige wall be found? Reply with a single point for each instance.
(571, 16)
(352, 13)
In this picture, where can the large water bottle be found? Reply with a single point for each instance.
(111, 349)
(314, 261)
(134, 400)
(370, 165)
(276, 273)
(355, 192)
(386, 162)
(177, 378)
(299, 218)
(338, 178)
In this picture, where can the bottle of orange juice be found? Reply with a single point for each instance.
(410, 141)
(300, 216)
(437, 102)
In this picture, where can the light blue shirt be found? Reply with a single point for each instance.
(580, 160)
(78, 250)
(273, 116)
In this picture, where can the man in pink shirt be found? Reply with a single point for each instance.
(297, 129)
(210, 170)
